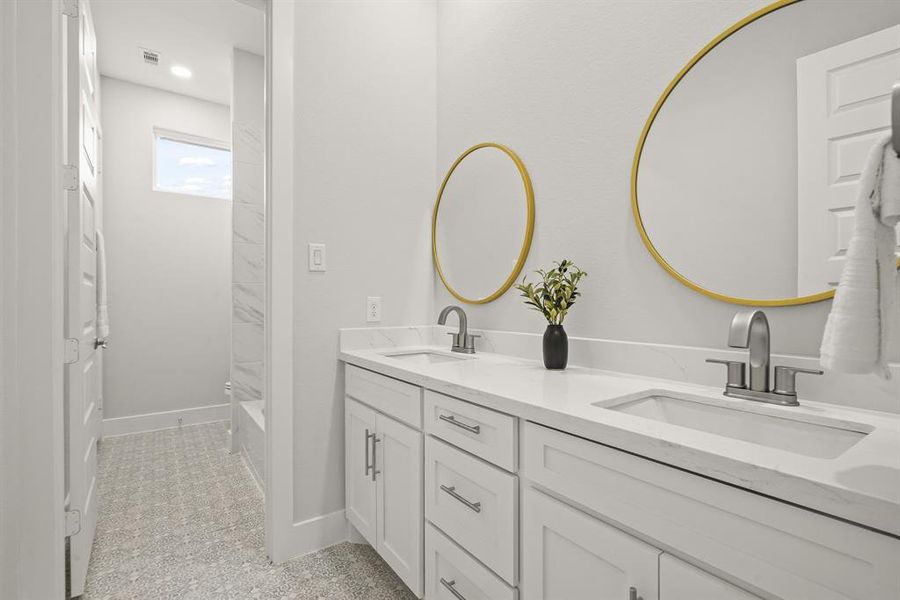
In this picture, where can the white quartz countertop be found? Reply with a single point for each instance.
(861, 485)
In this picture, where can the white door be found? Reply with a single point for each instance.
(82, 381)
(400, 519)
(359, 479)
(681, 581)
(843, 106)
(569, 555)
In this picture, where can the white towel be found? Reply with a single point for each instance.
(102, 310)
(864, 312)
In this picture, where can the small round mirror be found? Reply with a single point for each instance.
(482, 223)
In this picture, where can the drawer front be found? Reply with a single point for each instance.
(485, 433)
(475, 504)
(763, 544)
(393, 397)
(449, 569)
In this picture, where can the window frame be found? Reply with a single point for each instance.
(194, 140)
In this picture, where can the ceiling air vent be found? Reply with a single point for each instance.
(150, 57)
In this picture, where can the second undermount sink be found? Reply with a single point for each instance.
(814, 437)
(425, 357)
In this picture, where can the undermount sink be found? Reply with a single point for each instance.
(425, 357)
(814, 437)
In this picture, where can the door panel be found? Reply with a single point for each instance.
(83, 381)
(843, 106)
(399, 479)
(569, 555)
(681, 581)
(360, 428)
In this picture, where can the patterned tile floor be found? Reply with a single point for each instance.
(181, 518)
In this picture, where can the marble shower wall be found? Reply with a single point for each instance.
(248, 299)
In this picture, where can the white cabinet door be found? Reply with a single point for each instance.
(569, 555)
(360, 425)
(681, 581)
(398, 468)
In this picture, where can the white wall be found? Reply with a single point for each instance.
(168, 261)
(568, 85)
(364, 183)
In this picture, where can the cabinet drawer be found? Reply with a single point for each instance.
(485, 433)
(764, 544)
(449, 566)
(475, 504)
(393, 397)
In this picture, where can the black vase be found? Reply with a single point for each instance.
(556, 348)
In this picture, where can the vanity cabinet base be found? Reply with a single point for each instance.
(760, 543)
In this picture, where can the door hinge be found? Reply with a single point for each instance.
(71, 351)
(70, 177)
(70, 8)
(73, 522)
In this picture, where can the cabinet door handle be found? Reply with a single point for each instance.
(632, 594)
(450, 585)
(476, 506)
(369, 466)
(375, 471)
(452, 420)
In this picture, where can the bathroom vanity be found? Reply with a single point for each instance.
(487, 476)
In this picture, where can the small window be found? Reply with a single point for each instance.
(188, 164)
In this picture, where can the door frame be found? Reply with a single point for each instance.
(32, 521)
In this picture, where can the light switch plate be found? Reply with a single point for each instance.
(316, 257)
(373, 309)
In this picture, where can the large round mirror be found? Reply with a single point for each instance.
(482, 223)
(745, 176)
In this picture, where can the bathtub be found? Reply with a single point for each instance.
(251, 437)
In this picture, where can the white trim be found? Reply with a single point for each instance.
(190, 138)
(284, 540)
(166, 419)
(32, 317)
(317, 533)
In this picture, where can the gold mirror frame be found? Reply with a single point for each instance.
(635, 209)
(529, 225)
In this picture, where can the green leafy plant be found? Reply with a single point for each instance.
(556, 294)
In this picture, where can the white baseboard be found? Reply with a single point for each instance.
(317, 533)
(166, 420)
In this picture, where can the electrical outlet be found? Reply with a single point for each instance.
(317, 257)
(373, 309)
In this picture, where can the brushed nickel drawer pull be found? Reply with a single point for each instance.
(476, 506)
(369, 465)
(450, 586)
(375, 471)
(452, 420)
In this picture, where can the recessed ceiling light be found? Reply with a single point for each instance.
(179, 71)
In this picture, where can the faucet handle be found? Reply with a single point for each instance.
(469, 342)
(736, 370)
(786, 379)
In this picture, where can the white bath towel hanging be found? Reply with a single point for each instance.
(864, 313)
(102, 309)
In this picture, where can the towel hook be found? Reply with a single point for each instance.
(895, 117)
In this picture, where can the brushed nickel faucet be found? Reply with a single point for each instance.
(463, 341)
(750, 329)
